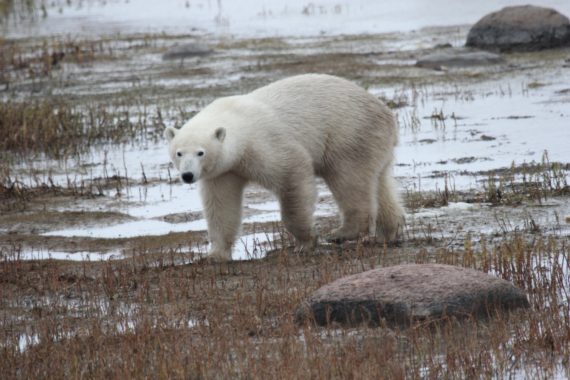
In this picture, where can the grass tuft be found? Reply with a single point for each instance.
(59, 129)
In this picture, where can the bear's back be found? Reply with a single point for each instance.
(313, 92)
(328, 114)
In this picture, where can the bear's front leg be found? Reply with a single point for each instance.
(222, 200)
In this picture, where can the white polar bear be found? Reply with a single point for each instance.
(283, 135)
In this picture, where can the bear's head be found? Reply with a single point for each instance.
(196, 152)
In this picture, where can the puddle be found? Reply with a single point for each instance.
(451, 208)
(255, 246)
(132, 229)
(247, 247)
(264, 218)
(120, 317)
(25, 341)
(454, 222)
(459, 148)
(163, 199)
(41, 254)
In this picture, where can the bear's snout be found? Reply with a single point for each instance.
(188, 177)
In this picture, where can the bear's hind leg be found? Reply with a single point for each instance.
(222, 200)
(391, 215)
(355, 195)
(297, 201)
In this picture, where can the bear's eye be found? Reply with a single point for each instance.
(179, 154)
(200, 153)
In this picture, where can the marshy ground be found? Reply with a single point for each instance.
(97, 233)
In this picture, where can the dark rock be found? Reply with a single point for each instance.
(517, 117)
(464, 160)
(401, 294)
(458, 58)
(520, 28)
(446, 45)
(186, 51)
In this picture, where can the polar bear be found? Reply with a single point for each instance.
(282, 136)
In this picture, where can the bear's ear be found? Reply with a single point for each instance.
(220, 133)
(169, 133)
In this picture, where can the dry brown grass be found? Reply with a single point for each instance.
(139, 319)
(16, 195)
(514, 185)
(58, 128)
(35, 59)
(534, 181)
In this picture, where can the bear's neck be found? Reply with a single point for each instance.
(231, 156)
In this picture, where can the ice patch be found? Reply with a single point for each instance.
(132, 229)
(326, 209)
(253, 246)
(263, 218)
(72, 256)
(26, 340)
(485, 136)
(265, 206)
(248, 247)
(161, 200)
(459, 206)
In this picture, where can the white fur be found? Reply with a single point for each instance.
(282, 136)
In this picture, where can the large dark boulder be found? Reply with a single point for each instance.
(402, 294)
(520, 28)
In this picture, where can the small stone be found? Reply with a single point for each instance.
(188, 50)
(458, 58)
(443, 46)
(401, 294)
(17, 228)
(520, 28)
(464, 160)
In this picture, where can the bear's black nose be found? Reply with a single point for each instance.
(188, 177)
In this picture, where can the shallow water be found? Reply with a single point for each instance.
(257, 18)
(492, 130)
